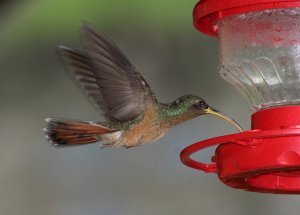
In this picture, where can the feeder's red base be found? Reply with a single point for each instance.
(264, 159)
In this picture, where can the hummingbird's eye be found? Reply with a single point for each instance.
(202, 104)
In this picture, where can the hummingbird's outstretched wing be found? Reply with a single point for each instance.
(108, 77)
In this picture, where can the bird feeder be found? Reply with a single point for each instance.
(259, 46)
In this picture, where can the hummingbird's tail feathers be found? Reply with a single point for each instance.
(62, 132)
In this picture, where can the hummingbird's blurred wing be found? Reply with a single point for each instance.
(108, 77)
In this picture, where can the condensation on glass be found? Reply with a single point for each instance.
(260, 56)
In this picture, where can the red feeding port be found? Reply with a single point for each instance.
(264, 159)
(260, 57)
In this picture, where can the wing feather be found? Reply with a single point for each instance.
(108, 77)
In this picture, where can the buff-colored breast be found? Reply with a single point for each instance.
(148, 130)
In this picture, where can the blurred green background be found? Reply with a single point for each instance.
(158, 36)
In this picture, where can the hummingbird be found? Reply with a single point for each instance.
(132, 114)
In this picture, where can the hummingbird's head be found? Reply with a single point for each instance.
(191, 104)
(195, 106)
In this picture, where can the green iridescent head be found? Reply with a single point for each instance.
(191, 106)
(190, 103)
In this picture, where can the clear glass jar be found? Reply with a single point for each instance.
(260, 56)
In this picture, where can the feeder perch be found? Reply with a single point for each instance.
(259, 46)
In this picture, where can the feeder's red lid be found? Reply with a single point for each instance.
(208, 12)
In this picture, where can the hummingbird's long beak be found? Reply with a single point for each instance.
(212, 111)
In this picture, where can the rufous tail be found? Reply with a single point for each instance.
(62, 132)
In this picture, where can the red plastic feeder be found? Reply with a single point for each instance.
(260, 56)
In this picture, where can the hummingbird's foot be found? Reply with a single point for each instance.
(127, 147)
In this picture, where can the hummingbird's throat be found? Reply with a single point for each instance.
(214, 112)
(173, 115)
